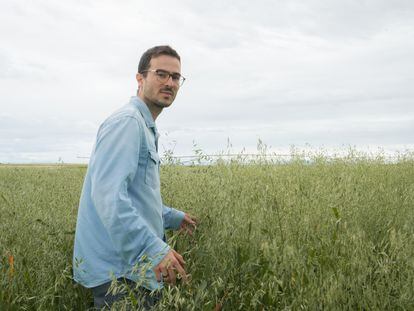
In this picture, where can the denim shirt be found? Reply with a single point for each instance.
(121, 217)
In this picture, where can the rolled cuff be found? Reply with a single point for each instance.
(155, 252)
(172, 218)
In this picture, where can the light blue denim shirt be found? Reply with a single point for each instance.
(121, 217)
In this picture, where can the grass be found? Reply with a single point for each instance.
(319, 234)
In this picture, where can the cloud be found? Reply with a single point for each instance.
(21, 139)
(345, 131)
(328, 19)
(288, 72)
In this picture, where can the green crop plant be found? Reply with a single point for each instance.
(310, 233)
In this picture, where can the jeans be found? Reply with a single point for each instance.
(146, 299)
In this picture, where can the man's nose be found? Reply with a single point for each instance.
(169, 81)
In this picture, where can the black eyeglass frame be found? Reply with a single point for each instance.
(179, 80)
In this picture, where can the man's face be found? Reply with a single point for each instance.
(152, 90)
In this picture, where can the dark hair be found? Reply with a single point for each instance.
(144, 62)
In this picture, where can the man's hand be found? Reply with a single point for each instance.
(189, 224)
(171, 265)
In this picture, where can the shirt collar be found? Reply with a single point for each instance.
(145, 112)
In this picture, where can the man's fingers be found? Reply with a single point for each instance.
(192, 220)
(182, 272)
(189, 219)
(177, 254)
(171, 276)
(179, 265)
(168, 268)
(158, 275)
(188, 227)
(165, 275)
(179, 258)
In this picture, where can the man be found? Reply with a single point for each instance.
(121, 217)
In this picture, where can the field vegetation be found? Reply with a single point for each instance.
(310, 233)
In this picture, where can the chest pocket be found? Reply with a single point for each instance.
(152, 171)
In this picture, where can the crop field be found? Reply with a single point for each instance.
(301, 235)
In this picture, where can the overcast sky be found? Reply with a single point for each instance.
(329, 74)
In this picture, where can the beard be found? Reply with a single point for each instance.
(164, 103)
(159, 103)
(153, 96)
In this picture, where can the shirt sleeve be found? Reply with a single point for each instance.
(113, 166)
(172, 217)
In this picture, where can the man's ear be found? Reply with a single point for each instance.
(140, 79)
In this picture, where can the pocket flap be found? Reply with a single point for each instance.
(154, 156)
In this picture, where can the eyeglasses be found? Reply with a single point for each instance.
(163, 76)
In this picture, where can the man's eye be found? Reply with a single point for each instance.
(176, 77)
(162, 74)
